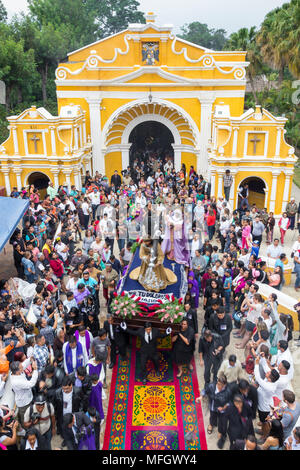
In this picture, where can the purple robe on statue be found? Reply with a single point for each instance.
(96, 399)
(180, 251)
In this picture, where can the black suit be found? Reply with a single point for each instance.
(116, 180)
(59, 405)
(68, 433)
(148, 349)
(238, 426)
(118, 341)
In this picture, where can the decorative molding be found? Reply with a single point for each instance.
(209, 61)
(92, 61)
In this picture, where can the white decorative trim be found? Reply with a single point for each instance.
(209, 61)
(92, 61)
(160, 102)
(218, 82)
(128, 94)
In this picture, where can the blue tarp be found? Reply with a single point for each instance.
(11, 211)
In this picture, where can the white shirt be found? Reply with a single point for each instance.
(59, 249)
(284, 222)
(274, 251)
(82, 341)
(283, 383)
(85, 208)
(2, 386)
(285, 356)
(67, 402)
(28, 446)
(71, 284)
(23, 388)
(95, 198)
(265, 391)
(254, 312)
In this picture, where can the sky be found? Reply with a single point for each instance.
(230, 15)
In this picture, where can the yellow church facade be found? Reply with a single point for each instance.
(147, 76)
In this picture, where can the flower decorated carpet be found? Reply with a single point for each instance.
(161, 415)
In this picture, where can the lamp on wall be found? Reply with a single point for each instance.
(150, 97)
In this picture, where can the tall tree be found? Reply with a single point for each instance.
(245, 40)
(279, 39)
(201, 34)
(113, 16)
(3, 12)
(17, 67)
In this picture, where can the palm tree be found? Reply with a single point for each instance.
(245, 40)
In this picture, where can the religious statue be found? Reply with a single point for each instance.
(150, 52)
(152, 275)
(175, 244)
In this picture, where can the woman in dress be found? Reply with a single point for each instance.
(183, 347)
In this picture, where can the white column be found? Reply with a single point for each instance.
(67, 174)
(53, 140)
(5, 171)
(231, 195)
(125, 155)
(278, 142)
(76, 146)
(177, 156)
(55, 173)
(220, 182)
(235, 141)
(96, 135)
(212, 182)
(18, 172)
(84, 129)
(286, 190)
(273, 191)
(77, 179)
(80, 135)
(205, 132)
(15, 139)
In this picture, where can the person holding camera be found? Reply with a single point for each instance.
(17, 336)
(8, 434)
(22, 387)
(40, 415)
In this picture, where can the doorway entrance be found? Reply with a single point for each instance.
(40, 182)
(257, 191)
(151, 139)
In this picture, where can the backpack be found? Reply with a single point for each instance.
(250, 364)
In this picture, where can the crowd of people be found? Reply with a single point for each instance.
(75, 245)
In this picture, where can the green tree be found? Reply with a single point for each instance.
(201, 34)
(245, 40)
(17, 67)
(3, 13)
(279, 39)
(112, 16)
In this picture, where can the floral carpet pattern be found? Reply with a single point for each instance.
(161, 415)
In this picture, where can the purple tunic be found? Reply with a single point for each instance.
(96, 399)
(94, 369)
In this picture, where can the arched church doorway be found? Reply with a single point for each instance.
(40, 182)
(150, 139)
(257, 191)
